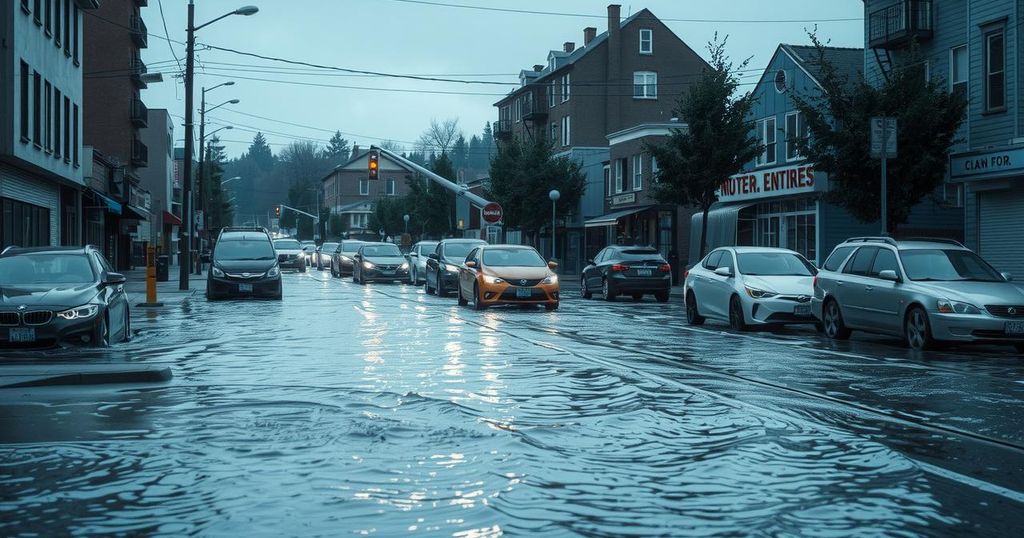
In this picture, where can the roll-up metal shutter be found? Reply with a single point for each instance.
(1000, 225)
(22, 187)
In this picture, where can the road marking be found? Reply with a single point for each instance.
(971, 481)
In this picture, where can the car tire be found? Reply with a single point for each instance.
(693, 316)
(477, 303)
(550, 307)
(661, 296)
(638, 297)
(127, 325)
(462, 300)
(832, 320)
(302, 267)
(426, 285)
(917, 331)
(584, 292)
(737, 319)
(606, 290)
(101, 336)
(1020, 349)
(441, 292)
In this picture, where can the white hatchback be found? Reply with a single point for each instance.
(750, 286)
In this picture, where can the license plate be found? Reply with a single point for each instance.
(524, 293)
(22, 334)
(802, 310)
(245, 288)
(387, 273)
(1015, 327)
(643, 272)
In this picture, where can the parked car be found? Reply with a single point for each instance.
(748, 286)
(627, 270)
(343, 256)
(926, 291)
(244, 264)
(418, 255)
(442, 271)
(290, 255)
(507, 274)
(308, 249)
(324, 252)
(52, 295)
(379, 261)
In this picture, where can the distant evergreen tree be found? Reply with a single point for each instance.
(337, 150)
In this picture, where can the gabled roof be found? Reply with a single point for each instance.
(848, 62)
(359, 156)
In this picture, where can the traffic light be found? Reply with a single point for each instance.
(277, 211)
(373, 164)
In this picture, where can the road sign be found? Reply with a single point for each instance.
(492, 213)
(883, 134)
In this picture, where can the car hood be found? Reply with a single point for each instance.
(977, 293)
(288, 250)
(513, 273)
(61, 296)
(245, 266)
(388, 260)
(783, 285)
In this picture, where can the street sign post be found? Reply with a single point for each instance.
(492, 213)
(883, 146)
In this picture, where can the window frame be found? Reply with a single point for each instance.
(792, 149)
(649, 41)
(56, 124)
(566, 130)
(554, 132)
(870, 250)
(58, 24)
(67, 129)
(37, 9)
(638, 172)
(74, 133)
(67, 28)
(390, 187)
(364, 182)
(763, 132)
(619, 176)
(953, 69)
(999, 32)
(37, 111)
(551, 93)
(47, 116)
(871, 271)
(649, 80)
(25, 113)
(566, 85)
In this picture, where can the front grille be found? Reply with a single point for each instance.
(1005, 311)
(41, 317)
(990, 333)
(535, 295)
(286, 257)
(387, 267)
(248, 276)
(523, 283)
(8, 318)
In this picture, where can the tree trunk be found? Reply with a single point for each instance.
(704, 232)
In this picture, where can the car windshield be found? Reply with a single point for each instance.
(773, 264)
(458, 250)
(328, 247)
(427, 248)
(381, 250)
(287, 244)
(638, 254)
(512, 257)
(351, 246)
(245, 249)
(45, 269)
(951, 265)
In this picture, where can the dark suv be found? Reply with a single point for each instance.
(442, 274)
(244, 264)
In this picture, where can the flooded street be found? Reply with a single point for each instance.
(383, 410)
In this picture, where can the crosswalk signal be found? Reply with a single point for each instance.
(373, 165)
(277, 211)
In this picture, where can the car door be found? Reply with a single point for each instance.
(884, 299)
(720, 287)
(851, 288)
(699, 281)
(115, 297)
(432, 265)
(468, 275)
(593, 272)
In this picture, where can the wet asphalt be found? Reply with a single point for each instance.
(381, 410)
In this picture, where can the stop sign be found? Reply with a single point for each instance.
(492, 213)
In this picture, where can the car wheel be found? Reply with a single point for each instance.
(638, 296)
(426, 285)
(693, 316)
(1020, 348)
(551, 307)
(441, 292)
(832, 319)
(477, 303)
(661, 296)
(736, 318)
(127, 325)
(917, 330)
(462, 300)
(302, 267)
(606, 290)
(101, 336)
(584, 292)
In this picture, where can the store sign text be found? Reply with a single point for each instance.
(765, 183)
(987, 163)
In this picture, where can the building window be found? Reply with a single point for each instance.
(74, 133)
(49, 17)
(67, 27)
(606, 170)
(76, 22)
(47, 116)
(24, 7)
(796, 130)
(995, 71)
(56, 23)
(360, 220)
(551, 93)
(23, 224)
(37, 109)
(55, 129)
(554, 132)
(566, 82)
(390, 186)
(766, 132)
(566, 131)
(37, 12)
(645, 85)
(638, 172)
(67, 129)
(646, 41)
(364, 187)
(654, 170)
(24, 102)
(620, 165)
(958, 69)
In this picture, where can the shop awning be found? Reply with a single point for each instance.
(611, 219)
(171, 218)
(723, 222)
(133, 213)
(109, 203)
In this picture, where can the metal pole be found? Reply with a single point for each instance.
(552, 229)
(185, 258)
(202, 176)
(885, 186)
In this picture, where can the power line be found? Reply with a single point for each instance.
(160, 4)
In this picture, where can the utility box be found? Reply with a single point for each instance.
(162, 268)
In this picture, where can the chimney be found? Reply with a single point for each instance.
(355, 150)
(614, 19)
(612, 107)
(589, 33)
(538, 67)
(569, 46)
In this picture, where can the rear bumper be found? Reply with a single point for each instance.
(978, 328)
(296, 262)
(620, 283)
(229, 287)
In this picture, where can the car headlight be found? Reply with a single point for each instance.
(79, 312)
(404, 266)
(274, 271)
(493, 280)
(759, 293)
(451, 268)
(553, 279)
(217, 272)
(955, 307)
(368, 265)
(345, 259)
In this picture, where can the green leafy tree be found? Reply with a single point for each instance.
(523, 173)
(387, 215)
(430, 206)
(838, 118)
(716, 143)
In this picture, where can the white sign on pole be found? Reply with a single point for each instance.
(883, 134)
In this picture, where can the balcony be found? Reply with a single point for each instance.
(140, 153)
(502, 129)
(140, 35)
(533, 108)
(140, 114)
(899, 24)
(138, 70)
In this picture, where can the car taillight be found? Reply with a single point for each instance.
(618, 267)
(814, 282)
(665, 268)
(686, 274)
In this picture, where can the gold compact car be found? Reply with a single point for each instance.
(507, 274)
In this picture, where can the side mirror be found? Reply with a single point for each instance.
(590, 261)
(433, 256)
(414, 255)
(1007, 276)
(724, 271)
(552, 265)
(889, 274)
(471, 264)
(113, 279)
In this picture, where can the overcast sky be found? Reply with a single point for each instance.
(413, 37)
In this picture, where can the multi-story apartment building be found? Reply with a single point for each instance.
(628, 76)
(347, 190)
(41, 176)
(974, 47)
(158, 179)
(114, 113)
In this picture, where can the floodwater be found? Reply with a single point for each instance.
(381, 410)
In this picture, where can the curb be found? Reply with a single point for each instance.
(148, 375)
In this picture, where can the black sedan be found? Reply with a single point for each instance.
(442, 274)
(244, 264)
(52, 295)
(342, 259)
(627, 270)
(379, 261)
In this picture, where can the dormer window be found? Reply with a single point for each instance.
(646, 41)
(551, 62)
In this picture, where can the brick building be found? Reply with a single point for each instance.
(348, 192)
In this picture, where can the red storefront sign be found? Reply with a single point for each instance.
(781, 181)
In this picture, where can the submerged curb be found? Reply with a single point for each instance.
(148, 375)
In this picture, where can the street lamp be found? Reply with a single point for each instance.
(185, 256)
(202, 158)
(229, 180)
(405, 218)
(554, 195)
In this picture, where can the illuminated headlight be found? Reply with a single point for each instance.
(217, 272)
(493, 280)
(79, 312)
(368, 265)
(956, 307)
(404, 266)
(759, 293)
(553, 279)
(274, 271)
(451, 268)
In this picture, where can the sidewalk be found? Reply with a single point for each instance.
(15, 376)
(166, 292)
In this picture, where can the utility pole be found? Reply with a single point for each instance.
(185, 256)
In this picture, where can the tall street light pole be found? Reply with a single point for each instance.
(554, 195)
(185, 256)
(203, 210)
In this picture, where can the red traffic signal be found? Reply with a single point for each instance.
(373, 164)
(277, 211)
